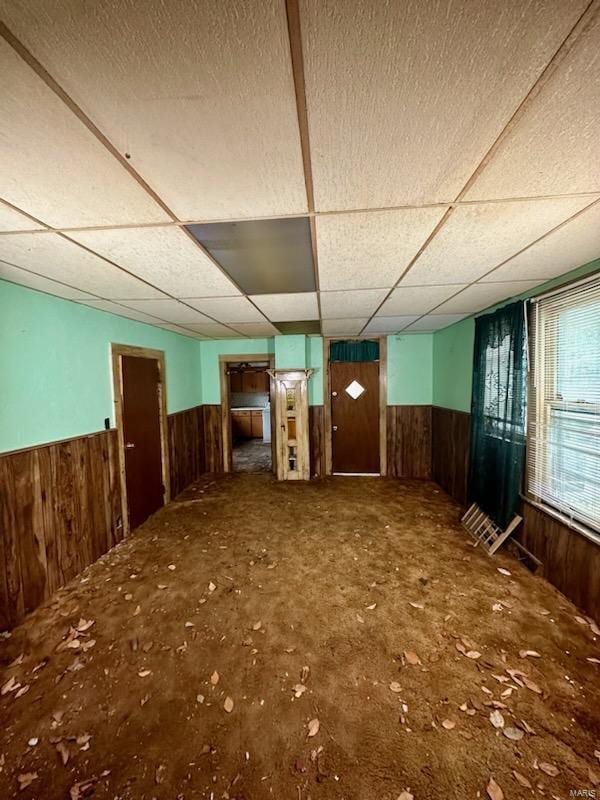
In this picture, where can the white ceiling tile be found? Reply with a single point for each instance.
(343, 327)
(52, 166)
(434, 322)
(11, 220)
(256, 329)
(168, 310)
(351, 304)
(213, 330)
(165, 257)
(120, 311)
(201, 95)
(554, 148)
(404, 99)
(476, 238)
(483, 295)
(417, 299)
(53, 256)
(370, 250)
(574, 244)
(168, 326)
(227, 309)
(288, 307)
(389, 324)
(33, 281)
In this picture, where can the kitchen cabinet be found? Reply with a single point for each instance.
(254, 382)
(235, 381)
(241, 424)
(257, 424)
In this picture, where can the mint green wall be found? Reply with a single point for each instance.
(314, 359)
(55, 369)
(453, 347)
(410, 369)
(290, 352)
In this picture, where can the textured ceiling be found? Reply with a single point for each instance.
(219, 167)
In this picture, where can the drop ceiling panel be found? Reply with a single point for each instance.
(370, 251)
(227, 309)
(343, 327)
(55, 257)
(554, 148)
(574, 244)
(417, 299)
(483, 295)
(33, 281)
(52, 166)
(262, 256)
(165, 257)
(121, 311)
(389, 324)
(213, 330)
(167, 309)
(351, 304)
(404, 99)
(255, 329)
(434, 322)
(201, 95)
(288, 307)
(11, 220)
(476, 238)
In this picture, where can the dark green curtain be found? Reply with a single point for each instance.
(358, 350)
(498, 412)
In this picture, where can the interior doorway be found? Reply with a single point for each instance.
(138, 376)
(247, 413)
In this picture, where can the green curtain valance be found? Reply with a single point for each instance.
(357, 350)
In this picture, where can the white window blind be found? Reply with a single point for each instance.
(563, 438)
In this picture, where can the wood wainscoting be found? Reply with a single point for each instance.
(451, 436)
(213, 438)
(570, 561)
(186, 447)
(316, 434)
(409, 441)
(60, 510)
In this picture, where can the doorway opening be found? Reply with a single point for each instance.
(247, 413)
(141, 417)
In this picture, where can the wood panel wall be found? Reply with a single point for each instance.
(451, 436)
(409, 441)
(316, 432)
(570, 561)
(186, 447)
(213, 438)
(60, 510)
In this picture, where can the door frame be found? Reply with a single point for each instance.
(224, 361)
(382, 399)
(117, 352)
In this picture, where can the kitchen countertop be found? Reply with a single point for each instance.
(248, 408)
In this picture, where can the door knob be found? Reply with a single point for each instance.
(334, 427)
(129, 446)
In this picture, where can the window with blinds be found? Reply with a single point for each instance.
(563, 439)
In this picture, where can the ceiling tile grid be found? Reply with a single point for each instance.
(351, 304)
(434, 322)
(25, 278)
(288, 307)
(387, 325)
(482, 295)
(167, 309)
(343, 327)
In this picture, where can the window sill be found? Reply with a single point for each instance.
(578, 527)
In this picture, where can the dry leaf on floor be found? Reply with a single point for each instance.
(527, 727)
(63, 751)
(257, 626)
(415, 605)
(549, 769)
(172, 567)
(395, 687)
(412, 658)
(503, 571)
(497, 719)
(304, 673)
(159, 775)
(405, 795)
(494, 791)
(448, 724)
(10, 686)
(474, 654)
(514, 734)
(228, 705)
(372, 607)
(211, 587)
(84, 625)
(143, 673)
(359, 618)
(533, 687)
(529, 654)
(522, 780)
(313, 727)
(214, 678)
(593, 660)
(298, 690)
(25, 779)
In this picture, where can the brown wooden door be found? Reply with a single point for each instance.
(141, 433)
(355, 419)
